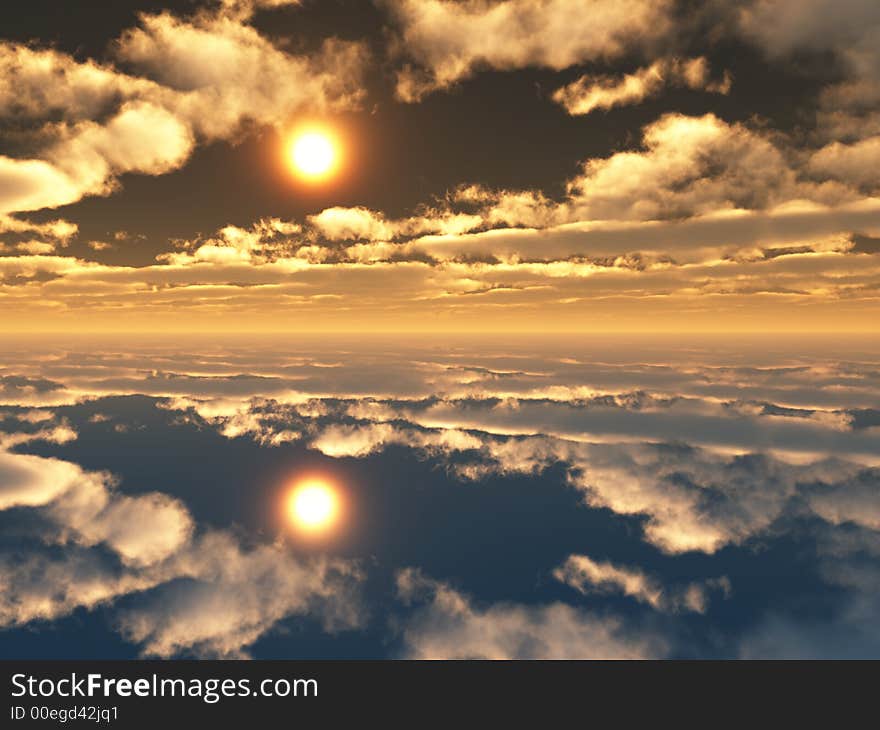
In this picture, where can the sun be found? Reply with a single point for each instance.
(313, 505)
(314, 154)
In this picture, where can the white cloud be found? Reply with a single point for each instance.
(88, 156)
(84, 508)
(210, 74)
(142, 138)
(33, 481)
(237, 596)
(356, 224)
(450, 626)
(58, 230)
(591, 92)
(60, 433)
(212, 595)
(590, 576)
(40, 587)
(225, 72)
(857, 164)
(451, 40)
(689, 166)
(34, 184)
(34, 83)
(694, 500)
(363, 439)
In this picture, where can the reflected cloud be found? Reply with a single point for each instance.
(87, 545)
(716, 450)
(449, 626)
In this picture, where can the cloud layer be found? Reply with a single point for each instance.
(193, 79)
(711, 450)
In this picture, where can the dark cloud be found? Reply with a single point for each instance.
(865, 244)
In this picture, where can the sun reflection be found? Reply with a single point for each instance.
(313, 505)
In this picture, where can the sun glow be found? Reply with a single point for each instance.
(313, 505)
(314, 154)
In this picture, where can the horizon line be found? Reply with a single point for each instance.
(432, 333)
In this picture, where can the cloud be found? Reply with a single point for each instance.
(706, 450)
(694, 180)
(856, 164)
(59, 230)
(34, 184)
(87, 158)
(200, 78)
(849, 27)
(32, 481)
(449, 41)
(449, 626)
(728, 492)
(694, 500)
(689, 166)
(728, 426)
(142, 530)
(589, 576)
(706, 239)
(37, 83)
(210, 594)
(35, 238)
(731, 380)
(243, 9)
(225, 72)
(361, 224)
(849, 109)
(58, 434)
(853, 502)
(83, 507)
(142, 138)
(22, 390)
(749, 266)
(616, 419)
(361, 440)
(589, 93)
(237, 597)
(40, 587)
(36, 415)
(701, 212)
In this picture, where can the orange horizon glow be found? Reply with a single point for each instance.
(323, 316)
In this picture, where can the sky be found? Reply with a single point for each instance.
(566, 310)
(505, 166)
